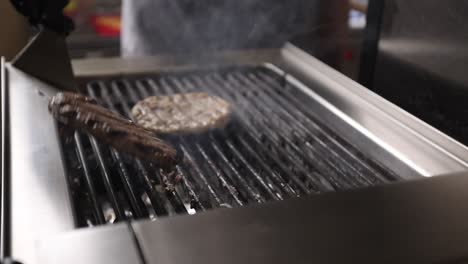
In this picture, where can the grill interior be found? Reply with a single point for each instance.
(272, 149)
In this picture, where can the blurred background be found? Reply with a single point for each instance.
(410, 52)
(334, 31)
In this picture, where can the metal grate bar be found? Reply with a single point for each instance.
(88, 179)
(137, 206)
(245, 148)
(269, 187)
(260, 140)
(159, 206)
(126, 111)
(283, 113)
(252, 191)
(285, 98)
(267, 135)
(275, 178)
(198, 202)
(155, 200)
(337, 149)
(251, 111)
(272, 149)
(204, 180)
(219, 175)
(315, 145)
(164, 88)
(117, 207)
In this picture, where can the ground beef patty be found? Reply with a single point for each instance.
(183, 113)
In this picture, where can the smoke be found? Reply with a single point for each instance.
(191, 26)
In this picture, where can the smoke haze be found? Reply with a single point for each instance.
(190, 26)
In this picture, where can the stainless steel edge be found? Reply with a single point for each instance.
(101, 245)
(419, 221)
(40, 202)
(3, 194)
(115, 66)
(424, 149)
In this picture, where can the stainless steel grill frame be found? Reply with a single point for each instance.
(377, 128)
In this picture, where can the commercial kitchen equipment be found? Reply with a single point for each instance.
(313, 167)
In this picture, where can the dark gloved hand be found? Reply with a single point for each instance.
(46, 13)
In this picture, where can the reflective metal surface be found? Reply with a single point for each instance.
(105, 245)
(390, 133)
(40, 205)
(4, 230)
(114, 66)
(420, 221)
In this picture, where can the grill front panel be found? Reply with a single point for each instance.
(272, 149)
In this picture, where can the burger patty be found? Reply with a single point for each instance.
(184, 113)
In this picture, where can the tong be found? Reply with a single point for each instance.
(83, 113)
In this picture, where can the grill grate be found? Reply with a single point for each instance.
(272, 149)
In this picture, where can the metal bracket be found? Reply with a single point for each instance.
(9, 261)
(46, 58)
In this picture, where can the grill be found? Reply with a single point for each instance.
(299, 128)
(274, 148)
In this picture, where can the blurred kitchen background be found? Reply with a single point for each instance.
(335, 34)
(413, 53)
